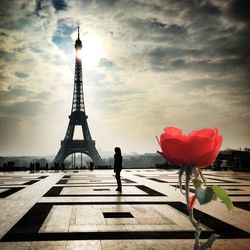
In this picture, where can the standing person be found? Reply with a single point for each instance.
(118, 167)
(91, 166)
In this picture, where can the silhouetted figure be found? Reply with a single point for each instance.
(63, 166)
(47, 166)
(118, 167)
(91, 166)
(37, 166)
(32, 167)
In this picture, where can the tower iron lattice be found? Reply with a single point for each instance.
(78, 117)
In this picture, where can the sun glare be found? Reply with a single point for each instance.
(79, 54)
(92, 50)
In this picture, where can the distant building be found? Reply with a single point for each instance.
(236, 159)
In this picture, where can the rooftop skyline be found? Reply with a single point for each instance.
(146, 65)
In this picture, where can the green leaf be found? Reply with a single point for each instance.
(222, 194)
(204, 195)
(197, 182)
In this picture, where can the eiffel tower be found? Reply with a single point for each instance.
(78, 117)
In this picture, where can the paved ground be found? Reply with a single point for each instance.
(82, 210)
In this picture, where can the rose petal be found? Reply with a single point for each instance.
(172, 132)
(209, 158)
(206, 132)
(199, 148)
(173, 150)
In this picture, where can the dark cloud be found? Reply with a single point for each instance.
(6, 56)
(21, 74)
(154, 30)
(105, 63)
(229, 45)
(38, 6)
(19, 23)
(202, 43)
(106, 4)
(110, 2)
(239, 10)
(59, 4)
(3, 34)
(229, 87)
(222, 67)
(157, 23)
(204, 9)
(165, 54)
(195, 8)
(167, 58)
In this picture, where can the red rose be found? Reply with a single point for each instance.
(199, 148)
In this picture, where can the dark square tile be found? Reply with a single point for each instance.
(101, 189)
(117, 215)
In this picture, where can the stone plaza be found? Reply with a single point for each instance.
(80, 209)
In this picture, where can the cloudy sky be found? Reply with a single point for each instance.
(147, 64)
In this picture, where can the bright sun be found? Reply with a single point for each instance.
(92, 50)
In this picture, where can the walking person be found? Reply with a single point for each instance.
(118, 167)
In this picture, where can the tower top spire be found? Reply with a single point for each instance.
(78, 43)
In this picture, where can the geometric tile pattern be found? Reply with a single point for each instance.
(12, 184)
(82, 210)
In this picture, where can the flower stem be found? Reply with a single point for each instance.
(195, 223)
(181, 171)
(190, 210)
(202, 177)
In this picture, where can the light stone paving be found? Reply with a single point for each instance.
(82, 210)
